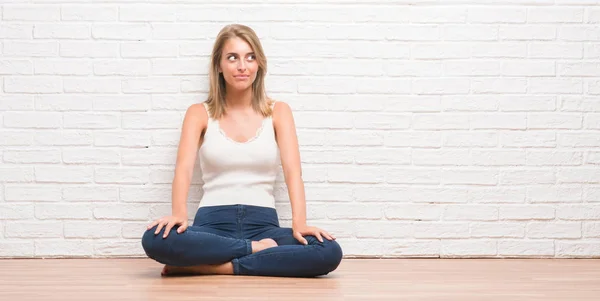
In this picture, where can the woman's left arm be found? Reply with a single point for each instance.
(289, 149)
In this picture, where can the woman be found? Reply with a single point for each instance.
(240, 136)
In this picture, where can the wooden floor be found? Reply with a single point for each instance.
(355, 279)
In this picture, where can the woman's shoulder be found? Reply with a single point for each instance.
(198, 109)
(197, 114)
(279, 105)
(282, 112)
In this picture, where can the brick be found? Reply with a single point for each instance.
(432, 230)
(526, 212)
(15, 67)
(62, 31)
(123, 67)
(541, 139)
(125, 175)
(578, 212)
(124, 31)
(526, 176)
(553, 158)
(74, 12)
(20, 211)
(553, 50)
(64, 174)
(62, 67)
(474, 103)
(526, 248)
(125, 212)
(16, 12)
(32, 156)
(92, 85)
(578, 175)
(62, 102)
(16, 248)
(13, 174)
(91, 156)
(497, 230)
(36, 84)
(16, 31)
(384, 229)
(19, 229)
(496, 15)
(470, 213)
(412, 248)
(90, 193)
(63, 211)
(84, 49)
(35, 193)
(63, 138)
(122, 138)
(576, 249)
(31, 49)
(92, 229)
(63, 248)
(555, 15)
(556, 230)
(415, 212)
(462, 248)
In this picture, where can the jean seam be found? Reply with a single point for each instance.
(236, 266)
(256, 255)
(196, 232)
(248, 246)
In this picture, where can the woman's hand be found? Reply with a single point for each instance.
(302, 230)
(169, 222)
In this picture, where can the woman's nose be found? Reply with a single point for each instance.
(241, 65)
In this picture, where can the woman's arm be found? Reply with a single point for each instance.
(194, 124)
(289, 149)
(290, 160)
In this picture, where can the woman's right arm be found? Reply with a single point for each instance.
(194, 123)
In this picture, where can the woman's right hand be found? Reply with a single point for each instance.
(169, 222)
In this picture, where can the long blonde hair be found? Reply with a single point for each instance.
(216, 94)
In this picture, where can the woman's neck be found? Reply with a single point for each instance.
(239, 100)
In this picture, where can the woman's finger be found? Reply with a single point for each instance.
(327, 235)
(300, 238)
(159, 227)
(168, 227)
(318, 235)
(183, 227)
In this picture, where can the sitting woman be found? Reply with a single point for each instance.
(241, 136)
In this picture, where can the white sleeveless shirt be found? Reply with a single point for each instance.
(238, 172)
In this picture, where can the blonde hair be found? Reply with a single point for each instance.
(216, 94)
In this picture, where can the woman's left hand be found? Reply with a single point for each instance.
(302, 230)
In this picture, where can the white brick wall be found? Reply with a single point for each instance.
(444, 128)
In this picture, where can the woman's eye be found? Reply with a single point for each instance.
(251, 57)
(231, 57)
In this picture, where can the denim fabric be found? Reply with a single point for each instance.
(221, 234)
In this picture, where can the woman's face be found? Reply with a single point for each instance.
(238, 64)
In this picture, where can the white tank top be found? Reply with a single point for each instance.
(239, 172)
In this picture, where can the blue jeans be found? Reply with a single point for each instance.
(222, 234)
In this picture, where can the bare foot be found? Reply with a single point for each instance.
(263, 244)
(207, 269)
